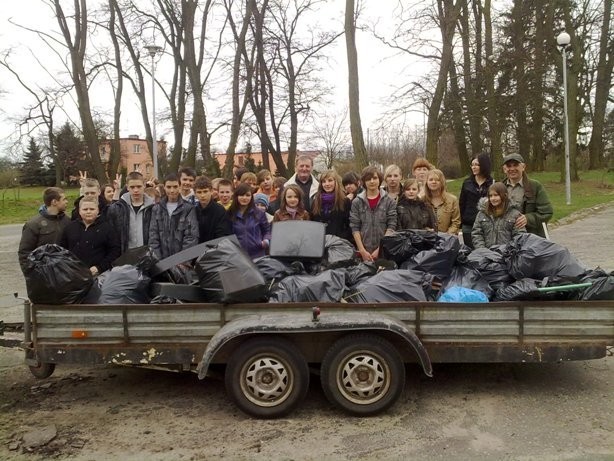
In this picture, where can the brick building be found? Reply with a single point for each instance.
(134, 154)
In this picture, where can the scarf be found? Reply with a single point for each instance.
(291, 211)
(328, 201)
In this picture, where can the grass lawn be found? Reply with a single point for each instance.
(595, 187)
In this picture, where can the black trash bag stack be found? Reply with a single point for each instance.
(602, 285)
(338, 252)
(56, 276)
(227, 274)
(531, 256)
(120, 285)
(492, 265)
(392, 286)
(468, 277)
(437, 260)
(143, 258)
(327, 286)
(402, 245)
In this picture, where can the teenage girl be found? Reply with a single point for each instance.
(444, 204)
(249, 223)
(495, 222)
(291, 207)
(331, 206)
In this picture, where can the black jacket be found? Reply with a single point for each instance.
(470, 194)
(119, 214)
(98, 245)
(213, 222)
(337, 221)
(415, 214)
(40, 230)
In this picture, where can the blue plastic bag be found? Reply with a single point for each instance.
(462, 295)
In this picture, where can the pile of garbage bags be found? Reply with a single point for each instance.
(416, 265)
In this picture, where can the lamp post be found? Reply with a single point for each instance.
(153, 50)
(563, 40)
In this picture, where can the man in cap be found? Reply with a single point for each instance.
(526, 195)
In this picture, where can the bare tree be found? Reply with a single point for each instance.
(76, 43)
(331, 131)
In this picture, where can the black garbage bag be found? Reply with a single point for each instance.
(274, 270)
(328, 286)
(120, 285)
(227, 274)
(402, 245)
(527, 289)
(56, 276)
(439, 260)
(468, 277)
(392, 286)
(162, 299)
(531, 256)
(360, 272)
(492, 266)
(338, 252)
(143, 258)
(602, 285)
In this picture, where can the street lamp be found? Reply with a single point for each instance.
(563, 40)
(153, 50)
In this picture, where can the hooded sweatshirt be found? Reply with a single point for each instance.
(489, 230)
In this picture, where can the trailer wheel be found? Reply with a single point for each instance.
(43, 370)
(362, 374)
(267, 377)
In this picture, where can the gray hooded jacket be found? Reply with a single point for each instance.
(489, 230)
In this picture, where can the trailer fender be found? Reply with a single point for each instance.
(301, 323)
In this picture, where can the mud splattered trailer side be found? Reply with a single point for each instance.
(359, 349)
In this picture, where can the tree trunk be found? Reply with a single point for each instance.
(494, 127)
(358, 143)
(605, 66)
(115, 155)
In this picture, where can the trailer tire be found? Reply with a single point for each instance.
(362, 374)
(43, 370)
(267, 377)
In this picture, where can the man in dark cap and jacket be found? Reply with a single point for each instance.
(526, 195)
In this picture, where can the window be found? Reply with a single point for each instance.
(136, 148)
(137, 167)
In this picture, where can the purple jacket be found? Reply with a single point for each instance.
(251, 229)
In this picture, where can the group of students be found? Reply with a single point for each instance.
(187, 210)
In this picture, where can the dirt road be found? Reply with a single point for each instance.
(541, 412)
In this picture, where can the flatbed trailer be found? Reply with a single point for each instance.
(359, 350)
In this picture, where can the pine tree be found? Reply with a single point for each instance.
(32, 166)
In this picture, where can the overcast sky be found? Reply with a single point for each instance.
(380, 71)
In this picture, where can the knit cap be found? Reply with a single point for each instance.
(262, 199)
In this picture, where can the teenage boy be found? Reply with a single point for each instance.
(90, 187)
(213, 221)
(173, 226)
(131, 214)
(187, 176)
(91, 238)
(224, 193)
(46, 227)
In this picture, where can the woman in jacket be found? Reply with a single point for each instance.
(444, 204)
(495, 222)
(249, 223)
(473, 189)
(331, 206)
(291, 207)
(372, 216)
(412, 211)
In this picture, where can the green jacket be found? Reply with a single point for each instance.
(535, 206)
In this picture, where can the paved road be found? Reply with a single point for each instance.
(591, 239)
